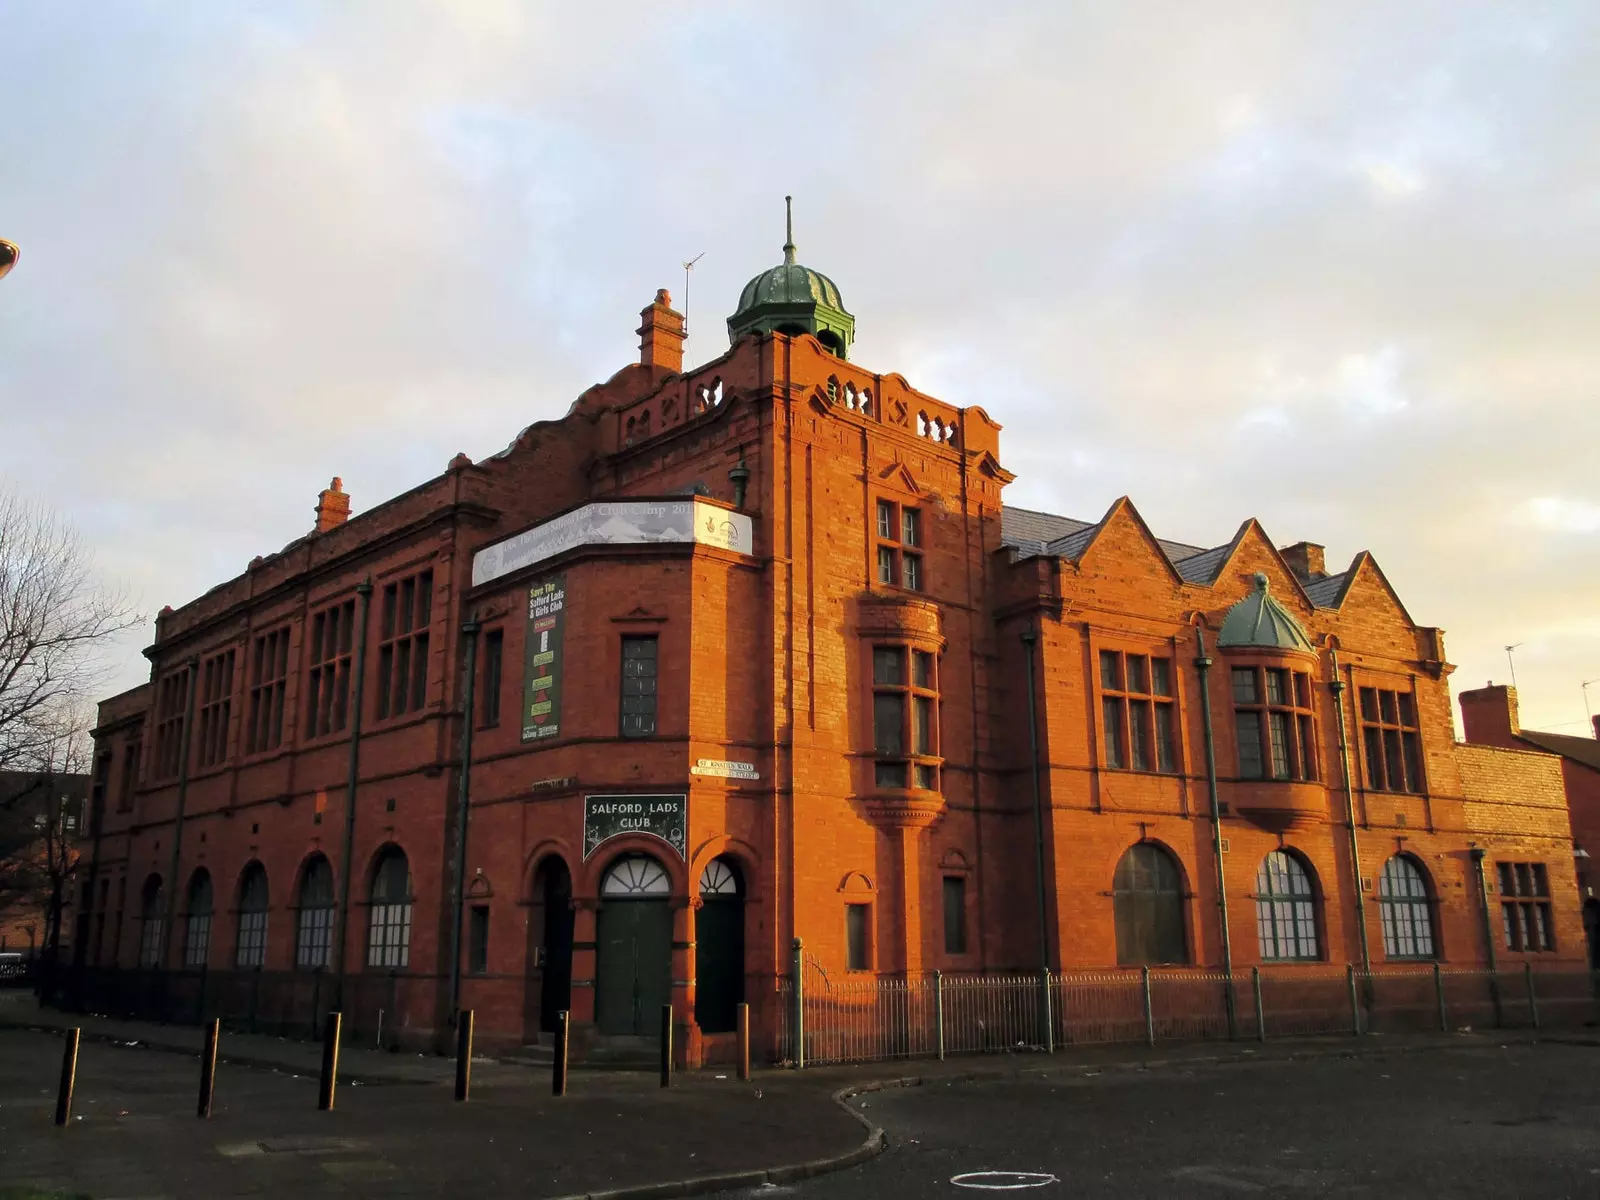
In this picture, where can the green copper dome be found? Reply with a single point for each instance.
(1261, 622)
(790, 298)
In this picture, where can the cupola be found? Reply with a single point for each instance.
(790, 298)
(1260, 622)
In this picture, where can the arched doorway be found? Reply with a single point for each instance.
(550, 941)
(719, 947)
(634, 947)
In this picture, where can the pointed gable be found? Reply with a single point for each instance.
(1366, 584)
(1121, 531)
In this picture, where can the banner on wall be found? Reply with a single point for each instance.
(541, 671)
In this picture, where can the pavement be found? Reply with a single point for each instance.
(397, 1131)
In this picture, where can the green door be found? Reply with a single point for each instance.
(635, 966)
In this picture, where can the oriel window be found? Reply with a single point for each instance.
(1274, 726)
(905, 718)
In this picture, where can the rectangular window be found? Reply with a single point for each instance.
(905, 718)
(252, 947)
(1525, 907)
(172, 696)
(407, 613)
(1392, 741)
(97, 793)
(639, 686)
(493, 659)
(1273, 723)
(197, 940)
(328, 681)
(269, 676)
(858, 937)
(955, 914)
(216, 707)
(1138, 712)
(478, 940)
(899, 530)
(130, 776)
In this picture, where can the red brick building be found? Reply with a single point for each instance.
(750, 649)
(1489, 717)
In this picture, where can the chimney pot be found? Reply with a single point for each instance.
(333, 507)
(661, 334)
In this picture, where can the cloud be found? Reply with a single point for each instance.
(1330, 264)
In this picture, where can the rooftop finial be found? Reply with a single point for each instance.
(788, 228)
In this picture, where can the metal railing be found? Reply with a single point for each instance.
(822, 1020)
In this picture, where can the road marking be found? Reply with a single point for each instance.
(1002, 1181)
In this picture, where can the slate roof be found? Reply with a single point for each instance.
(1203, 567)
(1325, 592)
(1579, 749)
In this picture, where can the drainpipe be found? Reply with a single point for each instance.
(1478, 855)
(177, 821)
(1029, 637)
(470, 628)
(1337, 686)
(1202, 664)
(364, 591)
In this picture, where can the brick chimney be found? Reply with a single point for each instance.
(333, 506)
(1596, 720)
(1489, 715)
(1305, 560)
(661, 334)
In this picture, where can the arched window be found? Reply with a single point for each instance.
(313, 937)
(636, 875)
(1407, 913)
(150, 916)
(1286, 910)
(389, 919)
(252, 945)
(1147, 898)
(197, 935)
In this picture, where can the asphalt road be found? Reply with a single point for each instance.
(1512, 1122)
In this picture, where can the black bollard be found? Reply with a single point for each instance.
(744, 1042)
(463, 1053)
(330, 1062)
(666, 1045)
(208, 1069)
(69, 1077)
(558, 1077)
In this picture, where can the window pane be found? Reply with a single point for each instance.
(1302, 690)
(1138, 673)
(927, 776)
(1139, 716)
(1308, 750)
(858, 947)
(1524, 880)
(1110, 670)
(922, 725)
(1408, 709)
(911, 527)
(1374, 739)
(1115, 756)
(1413, 754)
(922, 669)
(955, 915)
(1508, 885)
(1386, 708)
(885, 519)
(889, 664)
(1369, 704)
(1248, 727)
(1540, 884)
(1166, 742)
(888, 723)
(478, 940)
(1277, 686)
(913, 571)
(886, 570)
(1161, 676)
(1244, 685)
(889, 774)
(1278, 724)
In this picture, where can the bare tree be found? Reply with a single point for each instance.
(55, 621)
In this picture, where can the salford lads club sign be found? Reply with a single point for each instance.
(606, 817)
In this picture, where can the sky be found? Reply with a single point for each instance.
(1335, 266)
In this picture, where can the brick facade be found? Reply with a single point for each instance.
(765, 656)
